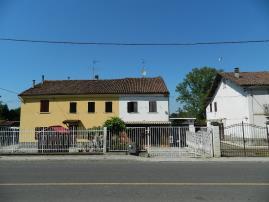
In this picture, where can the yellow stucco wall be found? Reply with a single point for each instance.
(59, 111)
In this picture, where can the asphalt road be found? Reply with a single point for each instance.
(61, 180)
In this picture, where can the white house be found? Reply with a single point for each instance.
(149, 106)
(237, 97)
(144, 109)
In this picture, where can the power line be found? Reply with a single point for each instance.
(10, 91)
(133, 44)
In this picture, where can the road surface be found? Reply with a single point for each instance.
(81, 180)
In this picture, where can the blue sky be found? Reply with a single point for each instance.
(141, 21)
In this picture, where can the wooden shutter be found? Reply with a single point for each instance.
(152, 106)
(73, 107)
(44, 105)
(91, 107)
(108, 107)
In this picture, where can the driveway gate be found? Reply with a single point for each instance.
(244, 139)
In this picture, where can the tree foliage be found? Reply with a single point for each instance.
(7, 114)
(115, 124)
(193, 91)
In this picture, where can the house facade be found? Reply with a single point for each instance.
(89, 103)
(237, 97)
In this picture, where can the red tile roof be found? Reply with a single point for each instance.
(154, 85)
(248, 78)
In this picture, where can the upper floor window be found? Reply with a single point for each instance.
(132, 107)
(91, 107)
(152, 106)
(44, 105)
(73, 107)
(108, 107)
(210, 107)
(215, 106)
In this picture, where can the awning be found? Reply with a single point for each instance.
(71, 122)
(148, 122)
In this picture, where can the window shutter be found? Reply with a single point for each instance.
(44, 106)
(135, 106)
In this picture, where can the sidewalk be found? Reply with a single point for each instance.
(129, 158)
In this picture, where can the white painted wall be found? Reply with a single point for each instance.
(143, 113)
(232, 103)
(257, 98)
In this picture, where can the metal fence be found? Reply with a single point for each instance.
(118, 141)
(155, 141)
(51, 140)
(244, 139)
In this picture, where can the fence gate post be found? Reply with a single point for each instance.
(216, 141)
(104, 139)
(148, 141)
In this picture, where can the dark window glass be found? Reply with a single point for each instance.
(44, 106)
(132, 107)
(210, 107)
(215, 106)
(152, 106)
(73, 107)
(109, 107)
(91, 107)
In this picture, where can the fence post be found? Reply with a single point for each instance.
(104, 139)
(244, 141)
(191, 126)
(148, 141)
(216, 141)
(42, 144)
(13, 141)
(267, 133)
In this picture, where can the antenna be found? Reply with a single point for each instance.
(93, 68)
(143, 70)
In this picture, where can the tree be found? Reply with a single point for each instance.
(6, 114)
(3, 111)
(193, 91)
(115, 124)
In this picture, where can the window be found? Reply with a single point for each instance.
(73, 107)
(108, 107)
(91, 107)
(152, 106)
(132, 107)
(210, 107)
(44, 106)
(215, 106)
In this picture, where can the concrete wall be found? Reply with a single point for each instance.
(143, 113)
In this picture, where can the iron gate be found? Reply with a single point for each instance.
(244, 139)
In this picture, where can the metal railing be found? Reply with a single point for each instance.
(244, 139)
(51, 140)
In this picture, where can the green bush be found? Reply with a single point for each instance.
(115, 124)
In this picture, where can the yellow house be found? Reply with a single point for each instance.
(78, 103)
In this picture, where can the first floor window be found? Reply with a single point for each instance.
(73, 107)
(152, 106)
(132, 107)
(91, 107)
(108, 107)
(215, 106)
(44, 105)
